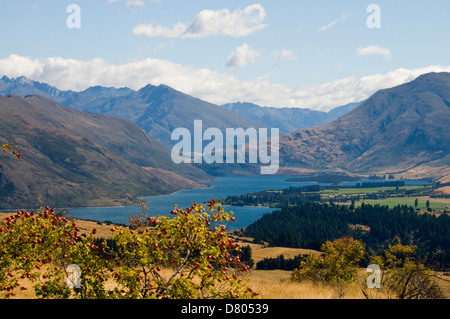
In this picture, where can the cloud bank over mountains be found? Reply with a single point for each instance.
(211, 86)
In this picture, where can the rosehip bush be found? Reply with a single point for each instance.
(186, 256)
(30, 243)
(199, 257)
(39, 246)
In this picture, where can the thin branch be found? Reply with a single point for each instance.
(183, 263)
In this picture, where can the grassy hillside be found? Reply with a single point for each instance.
(270, 284)
(74, 158)
(397, 130)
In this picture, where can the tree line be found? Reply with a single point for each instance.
(293, 196)
(280, 262)
(286, 197)
(311, 224)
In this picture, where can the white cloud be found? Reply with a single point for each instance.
(285, 55)
(242, 56)
(205, 84)
(160, 31)
(238, 23)
(375, 50)
(135, 3)
(342, 18)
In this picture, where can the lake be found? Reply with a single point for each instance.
(221, 187)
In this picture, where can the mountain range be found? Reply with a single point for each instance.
(78, 158)
(84, 147)
(159, 110)
(404, 129)
(288, 119)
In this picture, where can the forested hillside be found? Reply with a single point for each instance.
(310, 225)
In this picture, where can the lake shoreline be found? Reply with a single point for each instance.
(163, 204)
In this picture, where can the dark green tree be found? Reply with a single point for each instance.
(246, 256)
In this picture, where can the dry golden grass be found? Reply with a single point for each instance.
(261, 251)
(444, 281)
(443, 191)
(270, 284)
(276, 284)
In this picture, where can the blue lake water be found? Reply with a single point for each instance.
(222, 187)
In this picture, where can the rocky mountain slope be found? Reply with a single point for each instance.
(158, 110)
(401, 129)
(75, 158)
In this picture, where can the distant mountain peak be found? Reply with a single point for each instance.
(24, 80)
(101, 91)
(148, 87)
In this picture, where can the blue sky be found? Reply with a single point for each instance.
(315, 54)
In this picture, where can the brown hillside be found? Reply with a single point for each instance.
(73, 158)
(400, 129)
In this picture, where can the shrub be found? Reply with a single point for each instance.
(196, 255)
